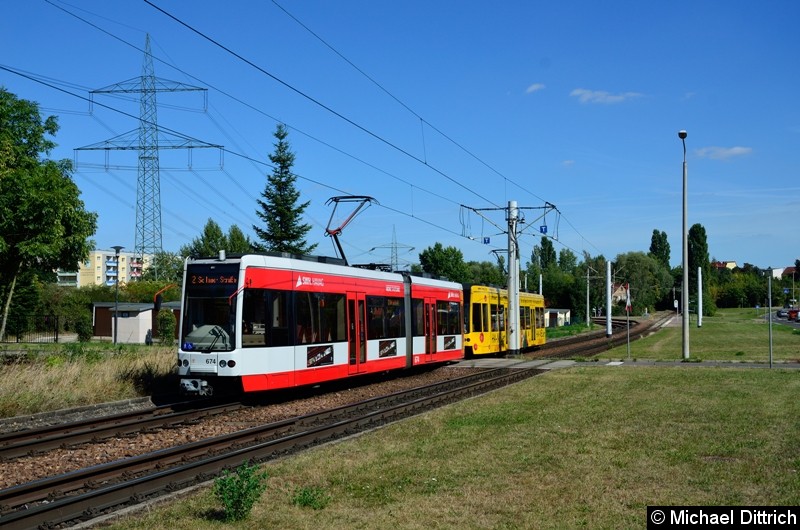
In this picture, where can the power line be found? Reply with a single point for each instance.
(349, 121)
(315, 101)
(255, 109)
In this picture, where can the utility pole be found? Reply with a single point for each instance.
(588, 318)
(513, 281)
(608, 298)
(513, 219)
(699, 297)
(685, 258)
(588, 321)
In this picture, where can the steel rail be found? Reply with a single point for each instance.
(302, 432)
(35, 441)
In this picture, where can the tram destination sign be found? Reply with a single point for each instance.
(214, 275)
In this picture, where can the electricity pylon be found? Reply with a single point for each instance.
(148, 140)
(395, 261)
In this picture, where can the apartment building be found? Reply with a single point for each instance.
(102, 268)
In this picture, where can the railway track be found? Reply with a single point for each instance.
(84, 494)
(35, 441)
(88, 493)
(596, 342)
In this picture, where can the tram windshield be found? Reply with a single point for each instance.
(209, 316)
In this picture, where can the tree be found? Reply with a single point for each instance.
(650, 281)
(567, 260)
(596, 269)
(659, 247)
(208, 244)
(698, 258)
(165, 267)
(544, 255)
(212, 240)
(43, 223)
(444, 262)
(238, 242)
(487, 273)
(283, 230)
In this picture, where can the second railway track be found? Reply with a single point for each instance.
(86, 493)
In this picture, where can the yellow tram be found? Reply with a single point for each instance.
(485, 322)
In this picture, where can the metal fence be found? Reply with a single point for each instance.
(31, 329)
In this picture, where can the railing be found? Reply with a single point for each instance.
(31, 329)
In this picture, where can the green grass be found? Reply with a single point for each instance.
(583, 447)
(730, 335)
(590, 446)
(569, 331)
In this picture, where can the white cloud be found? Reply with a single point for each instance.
(568, 163)
(722, 153)
(601, 96)
(534, 88)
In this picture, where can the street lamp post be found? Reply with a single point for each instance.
(685, 261)
(116, 248)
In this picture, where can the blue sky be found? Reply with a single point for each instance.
(428, 106)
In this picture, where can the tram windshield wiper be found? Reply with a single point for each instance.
(206, 337)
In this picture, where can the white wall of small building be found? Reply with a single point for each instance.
(133, 326)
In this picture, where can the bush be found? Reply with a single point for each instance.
(83, 327)
(239, 491)
(165, 320)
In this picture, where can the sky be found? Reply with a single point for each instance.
(443, 112)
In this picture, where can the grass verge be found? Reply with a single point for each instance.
(582, 447)
(730, 335)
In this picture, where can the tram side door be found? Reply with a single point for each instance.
(356, 332)
(430, 328)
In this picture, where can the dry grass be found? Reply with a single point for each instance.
(75, 375)
(585, 447)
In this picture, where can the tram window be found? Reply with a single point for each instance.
(376, 313)
(477, 318)
(396, 321)
(525, 317)
(498, 317)
(539, 311)
(319, 317)
(441, 318)
(332, 317)
(454, 318)
(253, 317)
(448, 318)
(277, 330)
(417, 317)
(304, 318)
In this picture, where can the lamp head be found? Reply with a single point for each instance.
(682, 135)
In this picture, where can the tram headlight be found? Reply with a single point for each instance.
(231, 364)
(185, 363)
(223, 364)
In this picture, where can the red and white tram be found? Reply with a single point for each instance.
(264, 322)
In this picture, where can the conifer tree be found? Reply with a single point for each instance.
(283, 230)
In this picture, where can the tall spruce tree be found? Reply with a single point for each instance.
(283, 230)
